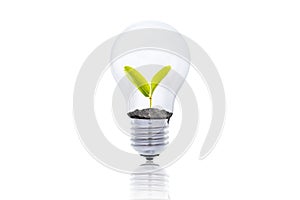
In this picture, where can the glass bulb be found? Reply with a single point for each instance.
(156, 45)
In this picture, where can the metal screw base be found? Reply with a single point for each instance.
(149, 136)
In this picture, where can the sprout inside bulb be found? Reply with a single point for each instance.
(150, 63)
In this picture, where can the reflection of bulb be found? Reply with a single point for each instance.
(154, 45)
(149, 185)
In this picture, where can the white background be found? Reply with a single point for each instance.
(255, 46)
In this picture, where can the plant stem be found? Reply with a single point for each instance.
(150, 98)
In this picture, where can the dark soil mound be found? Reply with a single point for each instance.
(150, 113)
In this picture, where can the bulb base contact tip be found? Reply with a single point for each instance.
(149, 136)
(149, 157)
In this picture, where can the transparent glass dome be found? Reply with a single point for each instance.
(148, 47)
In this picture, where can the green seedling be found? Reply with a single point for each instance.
(141, 82)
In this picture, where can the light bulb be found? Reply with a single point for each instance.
(146, 185)
(149, 76)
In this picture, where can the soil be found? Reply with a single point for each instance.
(150, 113)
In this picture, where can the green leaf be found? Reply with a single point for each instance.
(158, 77)
(138, 80)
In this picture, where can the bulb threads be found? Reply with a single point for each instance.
(149, 136)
